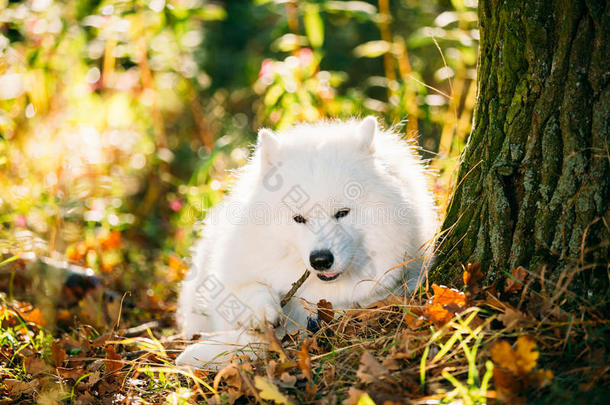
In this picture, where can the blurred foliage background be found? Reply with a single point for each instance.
(119, 120)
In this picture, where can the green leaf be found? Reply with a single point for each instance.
(314, 27)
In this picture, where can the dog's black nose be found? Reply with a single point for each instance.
(321, 259)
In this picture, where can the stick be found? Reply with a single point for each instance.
(138, 330)
(295, 286)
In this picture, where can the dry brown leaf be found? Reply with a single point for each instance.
(328, 375)
(511, 318)
(541, 378)
(237, 383)
(35, 366)
(288, 379)
(353, 396)
(325, 311)
(514, 284)
(370, 370)
(274, 344)
(113, 360)
(16, 387)
(85, 399)
(472, 276)
(508, 386)
(58, 354)
(71, 373)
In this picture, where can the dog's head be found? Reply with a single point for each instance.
(323, 186)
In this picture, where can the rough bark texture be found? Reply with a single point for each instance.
(533, 186)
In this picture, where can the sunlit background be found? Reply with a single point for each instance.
(119, 119)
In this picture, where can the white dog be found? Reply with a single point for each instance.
(345, 200)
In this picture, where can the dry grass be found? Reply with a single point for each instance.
(539, 341)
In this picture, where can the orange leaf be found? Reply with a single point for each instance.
(112, 240)
(35, 316)
(305, 360)
(448, 296)
(444, 304)
(178, 268)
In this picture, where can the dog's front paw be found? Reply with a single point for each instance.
(205, 355)
(217, 350)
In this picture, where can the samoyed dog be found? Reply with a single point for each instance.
(345, 200)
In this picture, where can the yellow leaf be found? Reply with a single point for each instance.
(503, 356)
(520, 361)
(269, 391)
(366, 400)
(526, 355)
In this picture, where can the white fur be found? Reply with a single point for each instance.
(252, 250)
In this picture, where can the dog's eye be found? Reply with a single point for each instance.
(342, 212)
(299, 219)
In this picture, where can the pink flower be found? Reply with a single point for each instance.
(21, 221)
(305, 56)
(266, 68)
(175, 205)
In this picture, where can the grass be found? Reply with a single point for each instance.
(399, 350)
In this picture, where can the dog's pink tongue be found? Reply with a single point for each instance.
(327, 274)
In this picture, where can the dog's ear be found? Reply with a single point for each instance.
(366, 133)
(267, 145)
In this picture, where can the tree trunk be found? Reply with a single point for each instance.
(533, 185)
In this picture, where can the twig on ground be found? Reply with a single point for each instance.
(138, 330)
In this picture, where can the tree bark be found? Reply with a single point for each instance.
(533, 185)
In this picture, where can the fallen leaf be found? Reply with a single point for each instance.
(370, 370)
(35, 366)
(325, 311)
(448, 296)
(353, 396)
(445, 303)
(70, 373)
(58, 354)
(519, 361)
(328, 374)
(288, 379)
(17, 388)
(305, 360)
(515, 283)
(542, 378)
(270, 391)
(511, 318)
(471, 278)
(35, 316)
(526, 355)
(235, 385)
(85, 399)
(113, 360)
(366, 400)
(274, 344)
